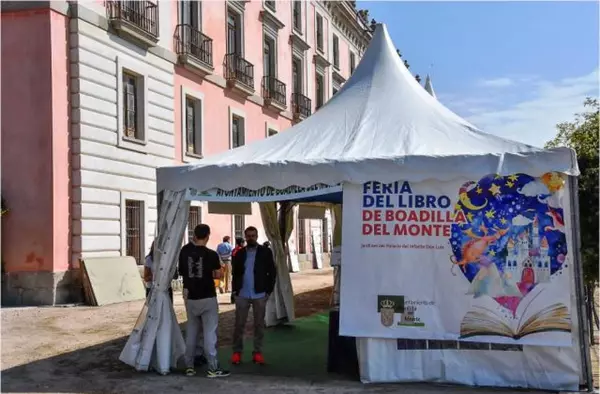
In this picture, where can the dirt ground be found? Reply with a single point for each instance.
(76, 349)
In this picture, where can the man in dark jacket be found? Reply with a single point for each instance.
(254, 275)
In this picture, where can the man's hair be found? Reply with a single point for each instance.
(249, 229)
(201, 231)
(239, 241)
(226, 238)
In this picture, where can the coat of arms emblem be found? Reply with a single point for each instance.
(387, 312)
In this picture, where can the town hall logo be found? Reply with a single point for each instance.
(388, 306)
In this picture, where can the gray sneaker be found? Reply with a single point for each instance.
(217, 373)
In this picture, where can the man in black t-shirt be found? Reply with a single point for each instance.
(199, 266)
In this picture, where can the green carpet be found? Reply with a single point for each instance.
(297, 349)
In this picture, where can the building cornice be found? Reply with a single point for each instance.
(346, 20)
(61, 7)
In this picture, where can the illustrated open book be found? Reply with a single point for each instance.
(484, 320)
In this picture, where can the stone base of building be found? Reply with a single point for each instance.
(305, 261)
(41, 288)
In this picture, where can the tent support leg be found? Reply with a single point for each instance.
(583, 318)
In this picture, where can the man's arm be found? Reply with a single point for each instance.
(216, 266)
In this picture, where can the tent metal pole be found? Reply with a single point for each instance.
(583, 318)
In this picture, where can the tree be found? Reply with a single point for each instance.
(582, 135)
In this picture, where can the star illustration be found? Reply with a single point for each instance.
(457, 207)
(513, 177)
(470, 217)
(503, 221)
(492, 253)
(497, 176)
(495, 189)
(490, 214)
(479, 190)
(509, 184)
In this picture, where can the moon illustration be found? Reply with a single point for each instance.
(466, 201)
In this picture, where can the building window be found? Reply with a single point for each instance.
(132, 96)
(239, 224)
(301, 236)
(336, 52)
(132, 124)
(325, 235)
(269, 55)
(271, 132)
(190, 14)
(297, 75)
(234, 32)
(319, 92)
(134, 230)
(194, 219)
(297, 15)
(237, 131)
(270, 4)
(193, 126)
(352, 62)
(319, 32)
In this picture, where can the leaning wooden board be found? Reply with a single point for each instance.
(87, 287)
(112, 280)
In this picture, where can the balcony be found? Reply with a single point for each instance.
(136, 20)
(301, 106)
(239, 74)
(194, 49)
(273, 91)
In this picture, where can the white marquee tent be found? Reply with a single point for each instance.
(382, 125)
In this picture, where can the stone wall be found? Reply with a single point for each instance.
(41, 288)
(305, 261)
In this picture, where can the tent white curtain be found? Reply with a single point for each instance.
(336, 212)
(281, 303)
(156, 339)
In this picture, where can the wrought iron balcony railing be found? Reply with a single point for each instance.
(141, 14)
(274, 90)
(301, 105)
(190, 41)
(239, 70)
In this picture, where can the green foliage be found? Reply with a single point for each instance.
(582, 135)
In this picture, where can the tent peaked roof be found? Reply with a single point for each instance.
(429, 86)
(382, 125)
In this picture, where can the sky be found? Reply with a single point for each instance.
(514, 69)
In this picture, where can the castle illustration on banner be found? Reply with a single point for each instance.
(527, 255)
(512, 249)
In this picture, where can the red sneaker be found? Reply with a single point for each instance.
(236, 358)
(257, 358)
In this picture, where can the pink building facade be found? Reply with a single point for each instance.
(96, 95)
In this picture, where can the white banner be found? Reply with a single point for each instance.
(261, 195)
(473, 260)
